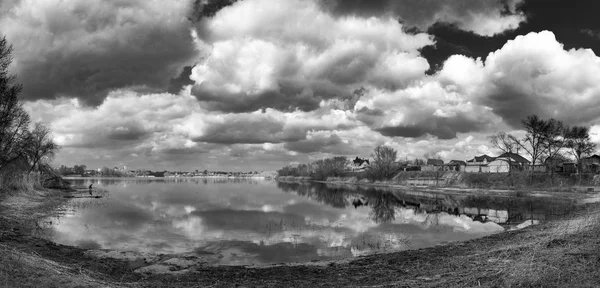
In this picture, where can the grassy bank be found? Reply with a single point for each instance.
(26, 261)
(558, 253)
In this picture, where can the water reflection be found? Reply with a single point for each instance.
(250, 221)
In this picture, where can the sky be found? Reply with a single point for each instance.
(258, 84)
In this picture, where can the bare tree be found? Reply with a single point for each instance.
(579, 143)
(553, 141)
(533, 141)
(384, 162)
(509, 145)
(14, 120)
(17, 142)
(39, 145)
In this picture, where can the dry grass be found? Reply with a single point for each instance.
(20, 269)
(19, 213)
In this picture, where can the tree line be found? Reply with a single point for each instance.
(24, 145)
(547, 140)
(383, 166)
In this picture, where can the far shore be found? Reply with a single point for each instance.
(167, 177)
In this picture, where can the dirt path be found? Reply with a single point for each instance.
(556, 254)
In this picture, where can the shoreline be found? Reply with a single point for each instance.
(455, 264)
(582, 194)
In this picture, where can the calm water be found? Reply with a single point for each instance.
(248, 221)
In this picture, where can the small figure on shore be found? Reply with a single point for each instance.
(91, 188)
(360, 202)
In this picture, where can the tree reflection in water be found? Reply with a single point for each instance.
(335, 197)
(382, 205)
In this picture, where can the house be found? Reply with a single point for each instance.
(433, 165)
(556, 163)
(435, 162)
(591, 164)
(455, 165)
(501, 164)
(516, 161)
(479, 164)
(358, 164)
(570, 167)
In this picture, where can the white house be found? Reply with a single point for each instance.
(479, 164)
(500, 164)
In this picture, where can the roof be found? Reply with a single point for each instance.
(435, 162)
(593, 156)
(481, 158)
(518, 158)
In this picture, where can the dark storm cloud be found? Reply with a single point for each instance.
(466, 14)
(369, 116)
(292, 94)
(249, 129)
(202, 9)
(84, 49)
(513, 105)
(181, 81)
(440, 127)
(321, 143)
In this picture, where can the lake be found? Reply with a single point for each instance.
(256, 221)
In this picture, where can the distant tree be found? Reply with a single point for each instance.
(106, 172)
(419, 162)
(579, 143)
(64, 170)
(79, 169)
(384, 164)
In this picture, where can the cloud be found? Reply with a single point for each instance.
(132, 128)
(246, 128)
(323, 142)
(84, 49)
(531, 74)
(484, 17)
(265, 56)
(427, 108)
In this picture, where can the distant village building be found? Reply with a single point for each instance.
(433, 165)
(569, 167)
(555, 163)
(501, 164)
(591, 164)
(479, 164)
(455, 165)
(359, 164)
